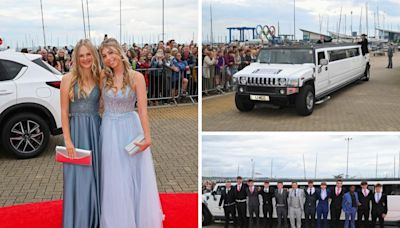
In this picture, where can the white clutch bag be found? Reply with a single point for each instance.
(131, 148)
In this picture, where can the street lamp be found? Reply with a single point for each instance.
(347, 166)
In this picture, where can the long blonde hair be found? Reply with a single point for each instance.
(113, 45)
(77, 73)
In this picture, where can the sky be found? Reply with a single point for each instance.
(237, 13)
(223, 154)
(21, 21)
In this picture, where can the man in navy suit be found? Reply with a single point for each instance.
(323, 205)
(310, 205)
(379, 206)
(228, 199)
(240, 198)
(350, 205)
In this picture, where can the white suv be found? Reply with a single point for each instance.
(29, 103)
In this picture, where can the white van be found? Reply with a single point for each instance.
(299, 75)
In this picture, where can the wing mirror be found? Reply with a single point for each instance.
(323, 62)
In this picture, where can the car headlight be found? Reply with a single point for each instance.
(243, 80)
(293, 82)
(282, 81)
(234, 80)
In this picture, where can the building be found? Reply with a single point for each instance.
(388, 35)
(314, 36)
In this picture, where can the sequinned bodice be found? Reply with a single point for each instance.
(88, 104)
(122, 102)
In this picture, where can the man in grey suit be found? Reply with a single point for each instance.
(296, 203)
(390, 55)
(253, 203)
(281, 196)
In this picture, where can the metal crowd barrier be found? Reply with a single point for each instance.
(210, 85)
(165, 84)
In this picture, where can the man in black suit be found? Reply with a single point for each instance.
(379, 206)
(281, 198)
(365, 197)
(240, 198)
(253, 203)
(267, 195)
(310, 204)
(228, 199)
(336, 203)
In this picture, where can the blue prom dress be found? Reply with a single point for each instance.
(81, 205)
(129, 197)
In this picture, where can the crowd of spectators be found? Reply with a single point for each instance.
(170, 69)
(222, 61)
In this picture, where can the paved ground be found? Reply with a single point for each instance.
(174, 134)
(362, 106)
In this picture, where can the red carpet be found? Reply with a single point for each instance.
(180, 211)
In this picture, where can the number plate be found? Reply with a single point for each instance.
(259, 98)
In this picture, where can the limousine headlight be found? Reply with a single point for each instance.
(293, 83)
(282, 81)
(243, 80)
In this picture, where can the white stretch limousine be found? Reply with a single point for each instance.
(300, 76)
(211, 211)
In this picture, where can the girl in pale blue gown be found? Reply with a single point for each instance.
(129, 195)
(80, 119)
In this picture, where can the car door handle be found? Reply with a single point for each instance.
(326, 68)
(6, 92)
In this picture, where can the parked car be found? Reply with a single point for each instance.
(29, 103)
(300, 75)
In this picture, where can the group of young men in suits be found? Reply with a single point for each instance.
(311, 201)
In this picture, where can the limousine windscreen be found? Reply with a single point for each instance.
(286, 56)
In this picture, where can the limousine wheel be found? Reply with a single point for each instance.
(243, 103)
(305, 101)
(25, 135)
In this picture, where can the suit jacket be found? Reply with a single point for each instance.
(300, 193)
(252, 199)
(337, 200)
(242, 194)
(347, 203)
(379, 208)
(267, 197)
(281, 198)
(365, 200)
(325, 202)
(310, 199)
(227, 198)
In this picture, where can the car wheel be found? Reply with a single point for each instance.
(367, 74)
(243, 103)
(25, 135)
(305, 101)
(206, 216)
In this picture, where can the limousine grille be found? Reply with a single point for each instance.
(263, 81)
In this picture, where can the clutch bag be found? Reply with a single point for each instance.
(83, 157)
(131, 148)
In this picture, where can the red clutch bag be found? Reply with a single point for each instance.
(83, 157)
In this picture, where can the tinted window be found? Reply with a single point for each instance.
(46, 66)
(286, 56)
(321, 55)
(393, 189)
(353, 52)
(9, 70)
(337, 55)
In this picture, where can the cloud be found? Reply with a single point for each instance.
(21, 21)
(223, 155)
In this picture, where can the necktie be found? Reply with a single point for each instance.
(295, 191)
(251, 189)
(337, 191)
(238, 188)
(310, 191)
(365, 192)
